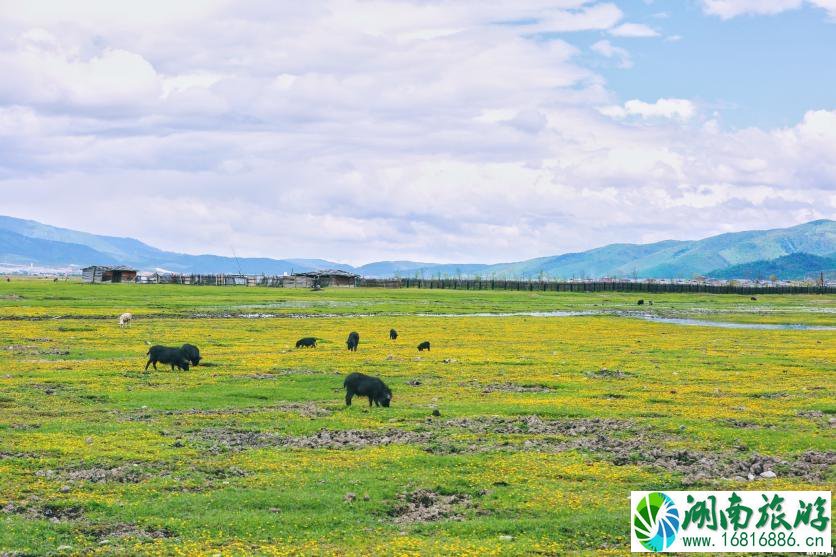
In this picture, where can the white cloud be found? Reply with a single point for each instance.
(727, 9)
(369, 130)
(608, 50)
(594, 17)
(633, 30)
(680, 109)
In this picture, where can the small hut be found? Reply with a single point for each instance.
(105, 273)
(330, 277)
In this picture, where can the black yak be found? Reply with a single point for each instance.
(358, 384)
(353, 341)
(191, 352)
(166, 355)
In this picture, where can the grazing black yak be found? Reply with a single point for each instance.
(353, 341)
(424, 346)
(166, 355)
(393, 334)
(307, 342)
(358, 384)
(192, 353)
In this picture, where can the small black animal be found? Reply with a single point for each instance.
(393, 334)
(191, 352)
(166, 355)
(307, 342)
(424, 346)
(641, 302)
(753, 299)
(353, 341)
(358, 384)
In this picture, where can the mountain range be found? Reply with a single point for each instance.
(756, 253)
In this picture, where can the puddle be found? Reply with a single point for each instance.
(732, 325)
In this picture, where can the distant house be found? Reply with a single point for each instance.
(105, 273)
(328, 277)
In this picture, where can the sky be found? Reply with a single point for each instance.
(438, 131)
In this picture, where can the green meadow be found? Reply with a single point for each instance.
(517, 434)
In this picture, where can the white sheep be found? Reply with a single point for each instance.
(125, 320)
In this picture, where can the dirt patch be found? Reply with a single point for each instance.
(622, 442)
(221, 439)
(31, 350)
(605, 373)
(22, 348)
(423, 505)
(514, 388)
(277, 371)
(744, 424)
(126, 473)
(357, 438)
(34, 509)
(123, 530)
(538, 426)
(304, 409)
(770, 396)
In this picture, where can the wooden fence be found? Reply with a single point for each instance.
(594, 286)
(497, 284)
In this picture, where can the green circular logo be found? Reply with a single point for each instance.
(656, 521)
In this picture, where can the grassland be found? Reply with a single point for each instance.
(545, 424)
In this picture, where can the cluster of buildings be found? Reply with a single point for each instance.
(339, 278)
(313, 279)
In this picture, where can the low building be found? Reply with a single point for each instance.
(107, 273)
(329, 277)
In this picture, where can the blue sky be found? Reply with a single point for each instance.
(754, 70)
(466, 131)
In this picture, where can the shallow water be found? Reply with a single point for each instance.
(731, 325)
(647, 317)
(685, 321)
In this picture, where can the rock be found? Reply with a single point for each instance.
(64, 548)
(768, 474)
(64, 489)
(506, 538)
(750, 477)
(275, 510)
(436, 413)
(350, 497)
(390, 357)
(178, 444)
(366, 497)
(89, 440)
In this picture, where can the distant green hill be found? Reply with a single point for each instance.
(795, 266)
(675, 259)
(26, 242)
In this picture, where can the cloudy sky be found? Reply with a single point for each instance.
(428, 130)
